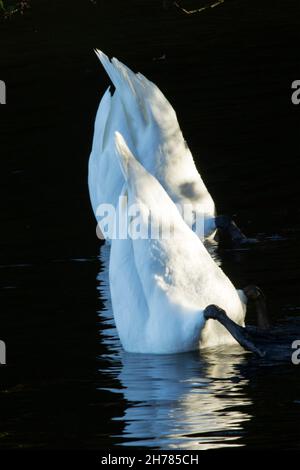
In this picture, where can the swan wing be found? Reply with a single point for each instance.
(129, 303)
(105, 178)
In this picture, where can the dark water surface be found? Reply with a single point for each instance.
(228, 73)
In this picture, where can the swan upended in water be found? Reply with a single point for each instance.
(141, 113)
(161, 287)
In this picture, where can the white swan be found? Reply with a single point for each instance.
(142, 114)
(160, 287)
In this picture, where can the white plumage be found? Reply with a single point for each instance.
(142, 114)
(160, 287)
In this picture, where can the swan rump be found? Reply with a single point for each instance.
(146, 119)
(160, 287)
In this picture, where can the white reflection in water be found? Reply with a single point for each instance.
(179, 401)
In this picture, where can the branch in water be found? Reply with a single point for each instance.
(198, 10)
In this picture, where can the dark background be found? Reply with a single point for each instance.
(228, 74)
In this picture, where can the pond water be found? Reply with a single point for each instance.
(228, 73)
(213, 399)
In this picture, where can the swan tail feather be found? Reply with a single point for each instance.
(143, 101)
(129, 86)
(108, 67)
(120, 75)
(148, 97)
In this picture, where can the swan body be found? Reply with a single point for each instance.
(142, 114)
(160, 287)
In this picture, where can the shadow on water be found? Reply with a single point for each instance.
(208, 400)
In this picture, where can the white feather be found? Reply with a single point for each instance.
(140, 111)
(160, 287)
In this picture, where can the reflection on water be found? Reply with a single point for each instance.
(175, 401)
(180, 401)
(219, 398)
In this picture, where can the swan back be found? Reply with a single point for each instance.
(150, 126)
(177, 276)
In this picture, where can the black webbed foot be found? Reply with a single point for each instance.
(240, 334)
